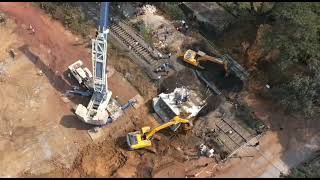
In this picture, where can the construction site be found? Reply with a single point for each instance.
(143, 96)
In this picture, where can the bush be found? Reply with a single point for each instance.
(69, 15)
(173, 10)
(295, 33)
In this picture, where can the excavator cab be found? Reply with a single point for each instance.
(142, 139)
(192, 57)
(137, 139)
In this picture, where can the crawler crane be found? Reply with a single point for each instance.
(96, 111)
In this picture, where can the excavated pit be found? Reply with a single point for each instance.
(215, 73)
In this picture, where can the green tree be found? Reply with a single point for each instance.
(69, 15)
(295, 32)
(172, 9)
(247, 9)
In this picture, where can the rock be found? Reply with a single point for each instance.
(65, 99)
(40, 73)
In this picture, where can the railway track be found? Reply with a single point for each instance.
(235, 137)
(146, 57)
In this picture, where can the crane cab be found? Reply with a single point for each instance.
(137, 139)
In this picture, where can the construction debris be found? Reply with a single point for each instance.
(148, 9)
(130, 103)
(206, 151)
(95, 133)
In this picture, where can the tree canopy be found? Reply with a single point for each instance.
(295, 32)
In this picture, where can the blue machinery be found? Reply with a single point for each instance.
(96, 112)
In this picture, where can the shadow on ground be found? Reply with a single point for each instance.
(62, 83)
(71, 121)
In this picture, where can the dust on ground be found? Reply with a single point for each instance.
(31, 111)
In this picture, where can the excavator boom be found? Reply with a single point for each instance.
(174, 121)
(215, 60)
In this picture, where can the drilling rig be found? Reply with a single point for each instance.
(96, 112)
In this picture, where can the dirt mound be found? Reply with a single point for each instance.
(100, 160)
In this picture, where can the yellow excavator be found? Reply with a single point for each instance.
(194, 58)
(142, 139)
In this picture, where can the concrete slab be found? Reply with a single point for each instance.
(95, 135)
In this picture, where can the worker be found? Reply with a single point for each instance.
(30, 27)
(33, 31)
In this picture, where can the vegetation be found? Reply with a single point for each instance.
(71, 16)
(172, 9)
(295, 32)
(246, 9)
(144, 31)
(249, 120)
(306, 170)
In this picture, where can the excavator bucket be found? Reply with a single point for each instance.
(235, 67)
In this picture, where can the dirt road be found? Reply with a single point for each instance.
(31, 115)
(49, 34)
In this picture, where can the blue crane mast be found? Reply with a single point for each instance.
(96, 112)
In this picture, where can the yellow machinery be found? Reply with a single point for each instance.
(229, 64)
(194, 58)
(142, 139)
